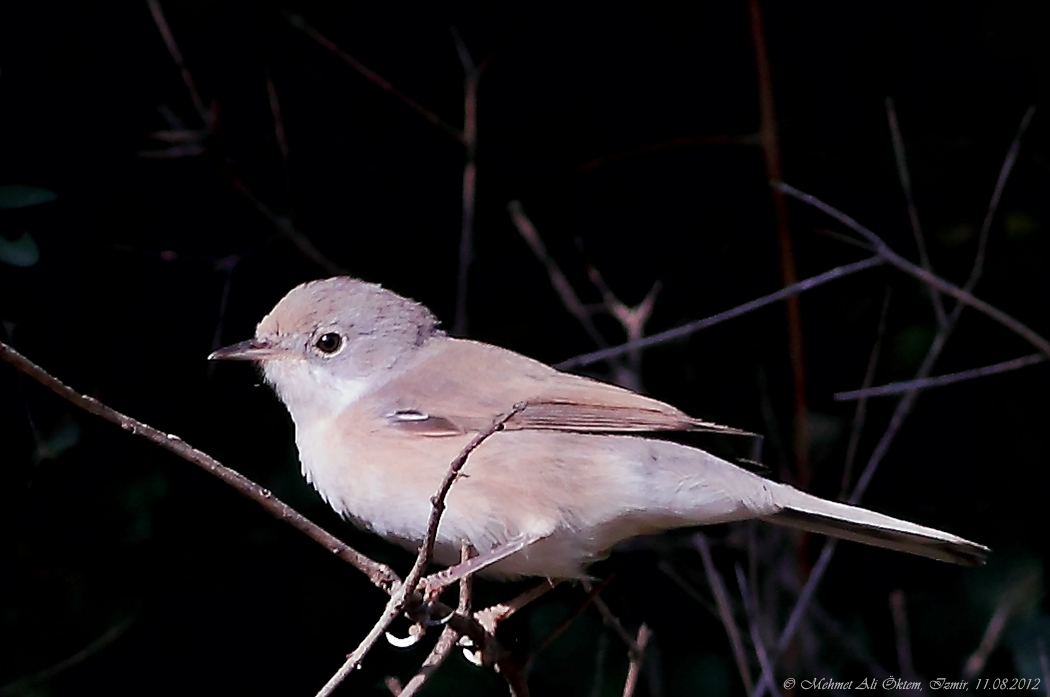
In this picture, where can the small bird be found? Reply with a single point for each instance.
(383, 401)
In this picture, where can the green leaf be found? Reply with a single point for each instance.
(22, 195)
(22, 252)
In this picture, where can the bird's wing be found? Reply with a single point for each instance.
(459, 386)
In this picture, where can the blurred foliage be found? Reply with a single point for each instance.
(133, 253)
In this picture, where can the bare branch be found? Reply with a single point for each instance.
(173, 48)
(861, 412)
(919, 273)
(278, 132)
(379, 574)
(469, 136)
(633, 321)
(941, 380)
(907, 401)
(751, 611)
(725, 612)
(25, 684)
(1024, 588)
(613, 622)
(448, 637)
(997, 193)
(767, 133)
(695, 326)
(567, 622)
(399, 599)
(491, 616)
(372, 76)
(900, 627)
(634, 670)
(283, 225)
(558, 280)
(913, 212)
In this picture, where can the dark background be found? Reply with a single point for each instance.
(126, 571)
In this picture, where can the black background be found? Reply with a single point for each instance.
(127, 571)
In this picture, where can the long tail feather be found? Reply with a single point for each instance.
(801, 510)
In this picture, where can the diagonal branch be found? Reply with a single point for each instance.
(372, 76)
(207, 117)
(907, 401)
(936, 282)
(469, 137)
(941, 380)
(695, 326)
(379, 574)
(725, 612)
(909, 199)
(400, 599)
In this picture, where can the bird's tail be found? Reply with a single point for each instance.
(801, 510)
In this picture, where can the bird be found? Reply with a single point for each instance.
(383, 400)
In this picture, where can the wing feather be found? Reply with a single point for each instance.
(464, 384)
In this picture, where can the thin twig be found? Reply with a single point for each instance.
(941, 380)
(725, 612)
(767, 132)
(372, 76)
(379, 574)
(437, 502)
(900, 413)
(634, 669)
(751, 611)
(278, 133)
(471, 75)
(845, 640)
(599, 664)
(448, 638)
(1000, 184)
(558, 280)
(695, 326)
(567, 622)
(283, 224)
(1010, 602)
(633, 321)
(176, 55)
(899, 612)
(913, 213)
(688, 589)
(862, 406)
(24, 685)
(882, 249)
(399, 600)
(491, 616)
(613, 622)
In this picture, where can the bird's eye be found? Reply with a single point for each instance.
(329, 342)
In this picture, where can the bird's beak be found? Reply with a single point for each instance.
(250, 350)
